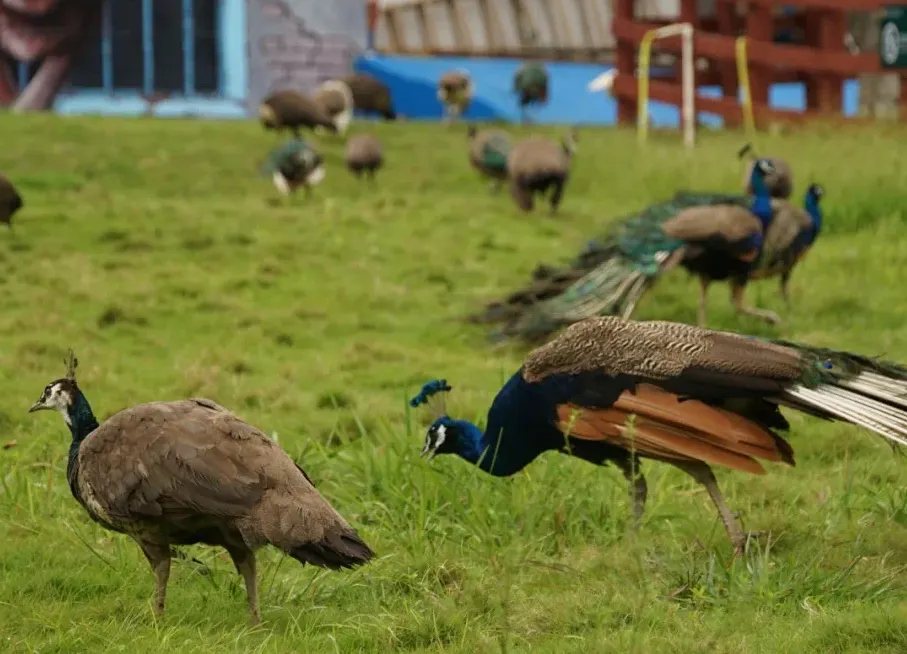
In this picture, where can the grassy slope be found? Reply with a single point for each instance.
(152, 249)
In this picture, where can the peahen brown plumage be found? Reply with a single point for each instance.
(336, 98)
(714, 236)
(537, 166)
(455, 91)
(291, 110)
(364, 155)
(10, 201)
(488, 152)
(530, 83)
(614, 390)
(371, 95)
(178, 473)
(780, 183)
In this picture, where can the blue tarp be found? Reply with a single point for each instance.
(413, 83)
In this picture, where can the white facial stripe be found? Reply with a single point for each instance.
(441, 434)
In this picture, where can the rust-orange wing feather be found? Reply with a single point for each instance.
(667, 428)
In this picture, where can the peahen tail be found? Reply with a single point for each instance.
(852, 388)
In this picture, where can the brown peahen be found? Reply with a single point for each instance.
(291, 110)
(371, 95)
(364, 155)
(715, 236)
(488, 152)
(538, 165)
(614, 390)
(455, 93)
(336, 98)
(10, 201)
(178, 473)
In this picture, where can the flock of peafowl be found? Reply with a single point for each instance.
(603, 388)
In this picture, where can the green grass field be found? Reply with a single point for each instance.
(154, 250)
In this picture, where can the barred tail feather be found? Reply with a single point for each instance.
(869, 400)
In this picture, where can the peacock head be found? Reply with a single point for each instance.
(814, 193)
(441, 436)
(60, 394)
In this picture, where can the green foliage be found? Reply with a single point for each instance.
(155, 251)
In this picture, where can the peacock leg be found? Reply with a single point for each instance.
(496, 186)
(785, 288)
(703, 298)
(737, 292)
(704, 475)
(556, 196)
(159, 558)
(244, 560)
(639, 490)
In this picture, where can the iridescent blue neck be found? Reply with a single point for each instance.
(81, 419)
(812, 207)
(761, 205)
(471, 443)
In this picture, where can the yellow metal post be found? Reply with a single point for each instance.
(743, 77)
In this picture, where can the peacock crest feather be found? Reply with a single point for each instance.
(433, 395)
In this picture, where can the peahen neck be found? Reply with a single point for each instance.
(80, 419)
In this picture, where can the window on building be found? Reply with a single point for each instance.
(153, 46)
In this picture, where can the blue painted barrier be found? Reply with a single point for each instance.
(413, 84)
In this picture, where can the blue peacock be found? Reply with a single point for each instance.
(698, 398)
(715, 236)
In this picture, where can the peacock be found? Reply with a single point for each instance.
(715, 236)
(488, 152)
(190, 471)
(530, 83)
(780, 183)
(613, 390)
(294, 164)
(789, 237)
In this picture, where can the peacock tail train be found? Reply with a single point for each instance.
(608, 277)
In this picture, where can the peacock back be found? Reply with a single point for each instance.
(287, 156)
(495, 152)
(531, 79)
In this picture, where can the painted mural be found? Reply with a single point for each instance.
(48, 34)
(300, 43)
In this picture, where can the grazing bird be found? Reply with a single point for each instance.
(292, 110)
(530, 83)
(178, 473)
(364, 155)
(10, 201)
(780, 183)
(712, 235)
(537, 165)
(789, 237)
(455, 93)
(294, 164)
(488, 152)
(371, 95)
(336, 98)
(698, 398)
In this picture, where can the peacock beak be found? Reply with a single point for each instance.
(37, 406)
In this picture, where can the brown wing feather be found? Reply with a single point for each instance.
(667, 428)
(659, 350)
(731, 222)
(787, 222)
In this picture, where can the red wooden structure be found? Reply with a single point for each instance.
(822, 62)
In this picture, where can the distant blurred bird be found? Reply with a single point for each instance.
(178, 473)
(371, 95)
(780, 183)
(294, 164)
(455, 93)
(531, 86)
(336, 99)
(292, 110)
(614, 390)
(364, 155)
(488, 152)
(714, 236)
(10, 201)
(537, 165)
(790, 235)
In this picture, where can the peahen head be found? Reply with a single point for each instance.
(61, 394)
